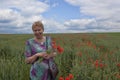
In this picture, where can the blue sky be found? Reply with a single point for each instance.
(60, 16)
(62, 12)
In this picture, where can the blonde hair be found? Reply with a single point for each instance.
(37, 23)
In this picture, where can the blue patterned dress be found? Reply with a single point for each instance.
(39, 69)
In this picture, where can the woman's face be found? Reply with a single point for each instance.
(38, 32)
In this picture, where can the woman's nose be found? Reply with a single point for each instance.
(37, 31)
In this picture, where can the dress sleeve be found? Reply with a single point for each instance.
(27, 49)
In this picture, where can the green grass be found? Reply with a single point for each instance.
(81, 50)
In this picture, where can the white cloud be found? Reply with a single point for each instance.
(105, 12)
(98, 8)
(52, 26)
(8, 14)
(80, 23)
(25, 7)
(91, 25)
(19, 15)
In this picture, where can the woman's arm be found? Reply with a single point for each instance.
(31, 59)
(52, 54)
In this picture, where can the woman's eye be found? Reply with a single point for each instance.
(35, 30)
(39, 29)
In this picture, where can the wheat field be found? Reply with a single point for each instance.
(87, 56)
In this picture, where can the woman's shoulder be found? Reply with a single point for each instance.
(30, 40)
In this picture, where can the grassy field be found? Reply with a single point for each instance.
(87, 56)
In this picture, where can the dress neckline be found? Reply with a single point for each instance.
(42, 42)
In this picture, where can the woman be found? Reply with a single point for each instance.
(36, 50)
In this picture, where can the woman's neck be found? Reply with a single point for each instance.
(41, 39)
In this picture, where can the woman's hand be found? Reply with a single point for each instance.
(46, 55)
(33, 58)
(53, 54)
(43, 55)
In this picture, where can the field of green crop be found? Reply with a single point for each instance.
(87, 56)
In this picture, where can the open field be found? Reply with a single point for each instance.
(88, 56)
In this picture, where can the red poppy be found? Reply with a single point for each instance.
(53, 42)
(118, 65)
(54, 45)
(57, 47)
(101, 65)
(61, 78)
(96, 64)
(89, 43)
(60, 49)
(67, 78)
(71, 76)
